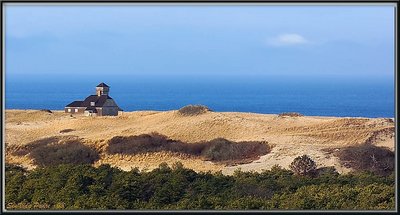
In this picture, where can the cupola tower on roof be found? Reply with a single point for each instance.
(102, 89)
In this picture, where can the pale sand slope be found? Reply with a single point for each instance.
(291, 136)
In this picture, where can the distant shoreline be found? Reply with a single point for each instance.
(217, 112)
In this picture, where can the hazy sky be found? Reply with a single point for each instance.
(297, 41)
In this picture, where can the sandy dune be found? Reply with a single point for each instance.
(290, 136)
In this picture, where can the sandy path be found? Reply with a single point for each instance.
(283, 155)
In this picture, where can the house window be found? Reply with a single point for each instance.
(91, 103)
(69, 110)
(76, 110)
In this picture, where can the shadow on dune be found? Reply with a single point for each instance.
(214, 150)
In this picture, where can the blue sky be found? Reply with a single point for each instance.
(347, 42)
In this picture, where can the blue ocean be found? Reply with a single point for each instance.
(322, 97)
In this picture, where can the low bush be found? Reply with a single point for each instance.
(221, 149)
(330, 170)
(291, 114)
(193, 110)
(46, 110)
(366, 157)
(70, 152)
(21, 150)
(137, 144)
(303, 165)
(12, 168)
(56, 150)
(66, 130)
(215, 150)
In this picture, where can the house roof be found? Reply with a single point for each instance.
(102, 85)
(98, 101)
(75, 104)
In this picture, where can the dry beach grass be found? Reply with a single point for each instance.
(289, 136)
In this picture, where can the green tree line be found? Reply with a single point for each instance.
(68, 186)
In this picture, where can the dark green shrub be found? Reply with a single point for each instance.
(329, 171)
(303, 165)
(105, 187)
